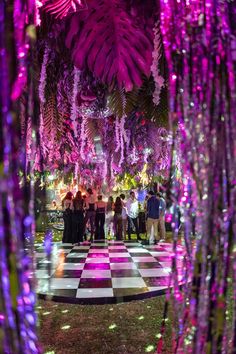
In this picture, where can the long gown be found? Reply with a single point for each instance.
(100, 221)
(78, 221)
(67, 216)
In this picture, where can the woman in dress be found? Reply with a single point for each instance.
(110, 218)
(78, 218)
(90, 211)
(100, 218)
(118, 218)
(67, 206)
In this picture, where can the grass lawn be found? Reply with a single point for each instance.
(127, 328)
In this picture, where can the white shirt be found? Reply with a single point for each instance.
(124, 210)
(162, 207)
(132, 208)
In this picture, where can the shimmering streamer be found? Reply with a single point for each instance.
(17, 317)
(43, 76)
(117, 134)
(121, 138)
(197, 38)
(156, 55)
(74, 107)
(82, 139)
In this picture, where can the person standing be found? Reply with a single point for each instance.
(161, 223)
(132, 212)
(100, 208)
(124, 215)
(90, 212)
(85, 222)
(110, 218)
(151, 238)
(118, 218)
(67, 206)
(153, 205)
(78, 219)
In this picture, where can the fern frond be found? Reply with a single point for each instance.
(90, 130)
(131, 101)
(157, 114)
(117, 102)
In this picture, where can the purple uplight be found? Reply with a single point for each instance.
(48, 242)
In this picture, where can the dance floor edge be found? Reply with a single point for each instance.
(102, 300)
(91, 278)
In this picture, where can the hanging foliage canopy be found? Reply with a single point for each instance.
(100, 72)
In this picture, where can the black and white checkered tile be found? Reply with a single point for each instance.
(104, 272)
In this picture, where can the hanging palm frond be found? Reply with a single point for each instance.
(107, 40)
(157, 114)
(91, 130)
(62, 8)
(131, 101)
(124, 103)
(117, 102)
(52, 127)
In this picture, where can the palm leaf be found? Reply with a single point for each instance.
(49, 117)
(91, 130)
(117, 102)
(107, 40)
(53, 122)
(121, 102)
(157, 114)
(131, 101)
(61, 8)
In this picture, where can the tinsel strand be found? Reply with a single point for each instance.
(202, 98)
(74, 107)
(156, 55)
(17, 317)
(43, 75)
(117, 134)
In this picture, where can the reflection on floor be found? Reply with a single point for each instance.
(104, 272)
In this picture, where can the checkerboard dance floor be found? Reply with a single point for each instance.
(104, 272)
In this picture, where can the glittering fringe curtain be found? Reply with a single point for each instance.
(17, 298)
(198, 41)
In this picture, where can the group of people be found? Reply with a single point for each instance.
(112, 218)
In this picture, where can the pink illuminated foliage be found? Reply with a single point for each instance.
(62, 8)
(109, 41)
(74, 111)
(98, 38)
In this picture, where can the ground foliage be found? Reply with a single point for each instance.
(137, 325)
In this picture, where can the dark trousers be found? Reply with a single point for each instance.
(133, 223)
(67, 233)
(99, 226)
(77, 226)
(90, 216)
(118, 226)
